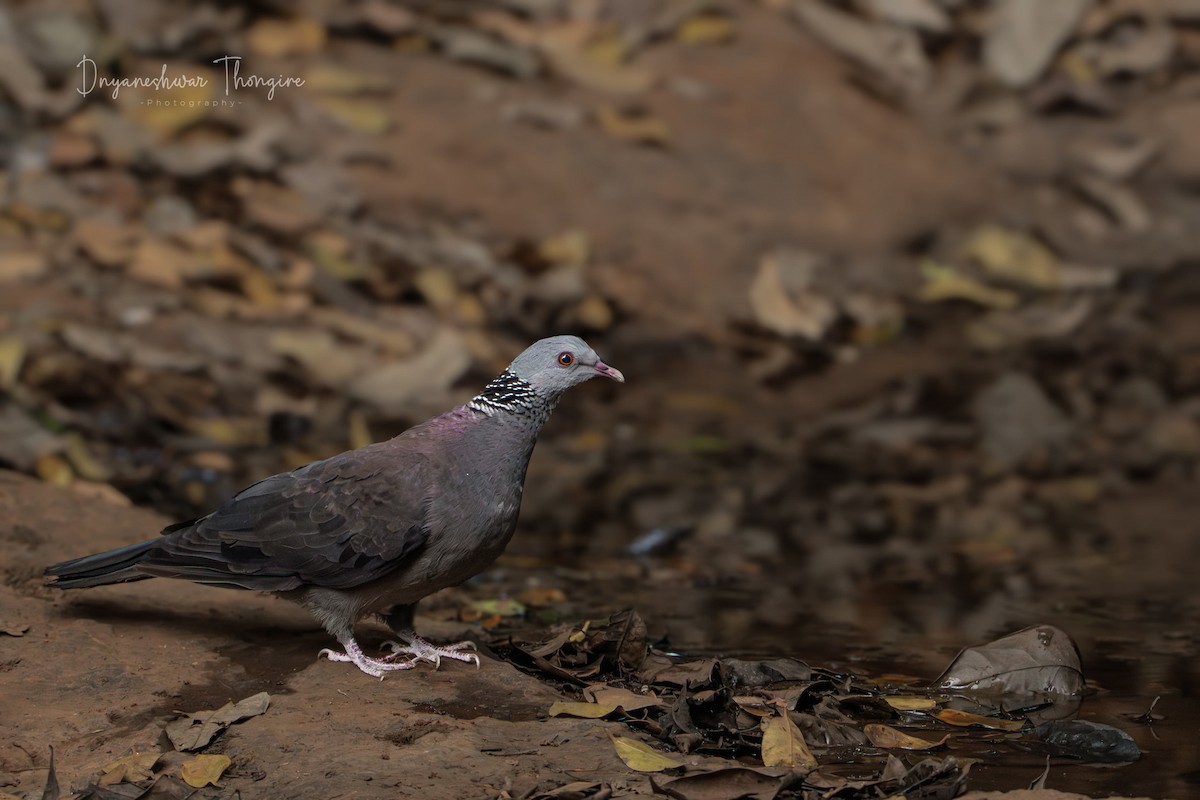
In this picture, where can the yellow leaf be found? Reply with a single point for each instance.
(86, 465)
(285, 37)
(577, 66)
(506, 607)
(643, 757)
(136, 766)
(1013, 256)
(783, 745)
(705, 29)
(204, 769)
(54, 470)
(12, 356)
(638, 128)
(946, 283)
(165, 111)
(340, 80)
(910, 703)
(570, 247)
(890, 738)
(584, 710)
(952, 716)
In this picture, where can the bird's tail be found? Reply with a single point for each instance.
(113, 566)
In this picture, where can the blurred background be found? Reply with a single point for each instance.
(905, 291)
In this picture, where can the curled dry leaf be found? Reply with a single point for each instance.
(204, 770)
(783, 745)
(643, 757)
(889, 738)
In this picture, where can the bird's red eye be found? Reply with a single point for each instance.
(566, 359)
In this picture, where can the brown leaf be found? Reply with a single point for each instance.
(952, 716)
(196, 730)
(622, 698)
(1039, 659)
(20, 265)
(890, 738)
(583, 710)
(136, 766)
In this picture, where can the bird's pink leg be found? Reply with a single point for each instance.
(421, 650)
(372, 666)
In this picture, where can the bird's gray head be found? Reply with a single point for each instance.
(534, 381)
(553, 365)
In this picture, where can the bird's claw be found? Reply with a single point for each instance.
(421, 650)
(372, 666)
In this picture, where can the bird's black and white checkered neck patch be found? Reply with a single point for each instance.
(507, 392)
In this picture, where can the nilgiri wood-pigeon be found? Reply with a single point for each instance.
(373, 530)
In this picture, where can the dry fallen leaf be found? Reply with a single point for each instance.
(541, 596)
(946, 283)
(783, 295)
(204, 770)
(579, 67)
(638, 128)
(643, 757)
(195, 731)
(12, 356)
(136, 766)
(1013, 257)
(910, 703)
(783, 745)
(890, 738)
(583, 710)
(273, 38)
(623, 698)
(964, 719)
(705, 29)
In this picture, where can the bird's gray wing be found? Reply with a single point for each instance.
(337, 523)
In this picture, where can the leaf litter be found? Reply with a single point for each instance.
(714, 718)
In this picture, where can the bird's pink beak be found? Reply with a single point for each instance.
(608, 372)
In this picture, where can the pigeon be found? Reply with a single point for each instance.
(372, 531)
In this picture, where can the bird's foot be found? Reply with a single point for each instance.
(421, 650)
(375, 667)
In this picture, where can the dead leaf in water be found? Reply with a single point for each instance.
(204, 770)
(783, 745)
(136, 766)
(964, 719)
(643, 757)
(890, 738)
(1040, 659)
